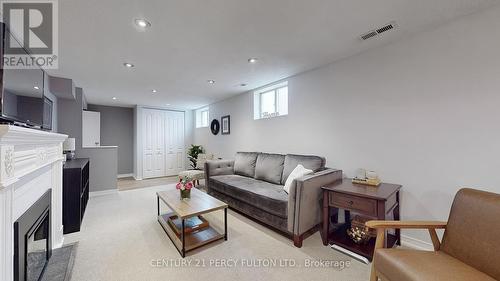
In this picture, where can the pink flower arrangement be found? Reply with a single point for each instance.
(185, 184)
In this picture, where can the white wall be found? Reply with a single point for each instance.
(116, 130)
(422, 112)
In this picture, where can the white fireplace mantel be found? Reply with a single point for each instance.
(30, 164)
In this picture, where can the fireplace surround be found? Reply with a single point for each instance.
(30, 166)
(32, 240)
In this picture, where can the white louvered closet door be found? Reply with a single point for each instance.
(175, 153)
(154, 143)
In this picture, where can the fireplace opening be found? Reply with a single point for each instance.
(32, 241)
(37, 252)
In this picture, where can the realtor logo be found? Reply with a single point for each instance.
(32, 29)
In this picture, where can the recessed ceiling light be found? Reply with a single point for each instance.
(142, 23)
(128, 65)
(252, 60)
(114, 98)
(243, 85)
(36, 88)
(211, 81)
(154, 91)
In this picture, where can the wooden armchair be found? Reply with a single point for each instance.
(469, 250)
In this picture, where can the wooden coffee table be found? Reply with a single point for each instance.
(199, 203)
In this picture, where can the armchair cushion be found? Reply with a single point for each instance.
(411, 265)
(473, 231)
(202, 159)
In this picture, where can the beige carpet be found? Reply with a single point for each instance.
(121, 240)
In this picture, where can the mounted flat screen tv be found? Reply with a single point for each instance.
(22, 97)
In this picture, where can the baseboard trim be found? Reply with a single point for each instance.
(416, 244)
(103, 192)
(120, 176)
(350, 253)
(59, 244)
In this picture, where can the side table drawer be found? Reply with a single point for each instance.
(345, 201)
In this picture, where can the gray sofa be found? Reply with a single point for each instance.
(253, 183)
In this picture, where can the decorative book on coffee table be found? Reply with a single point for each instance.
(191, 224)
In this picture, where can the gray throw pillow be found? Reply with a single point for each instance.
(244, 163)
(269, 167)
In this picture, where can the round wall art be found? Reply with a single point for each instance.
(215, 126)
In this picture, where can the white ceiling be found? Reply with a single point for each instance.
(191, 41)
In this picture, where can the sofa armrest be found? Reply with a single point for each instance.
(304, 200)
(218, 167)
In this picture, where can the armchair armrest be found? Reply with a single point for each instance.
(218, 167)
(304, 200)
(431, 226)
(406, 224)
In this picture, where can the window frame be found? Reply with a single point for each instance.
(261, 112)
(258, 114)
(199, 117)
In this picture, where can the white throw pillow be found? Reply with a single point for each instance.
(298, 172)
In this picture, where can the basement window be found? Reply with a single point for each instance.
(202, 116)
(271, 101)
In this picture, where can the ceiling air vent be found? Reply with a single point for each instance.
(378, 31)
(369, 35)
(385, 28)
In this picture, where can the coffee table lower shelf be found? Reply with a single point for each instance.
(192, 240)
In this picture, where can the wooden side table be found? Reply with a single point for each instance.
(374, 202)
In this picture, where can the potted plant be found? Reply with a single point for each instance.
(185, 186)
(193, 152)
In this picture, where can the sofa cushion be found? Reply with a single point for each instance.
(266, 196)
(244, 163)
(310, 162)
(269, 167)
(406, 265)
(252, 211)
